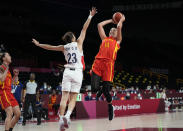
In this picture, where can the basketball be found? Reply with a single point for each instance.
(116, 17)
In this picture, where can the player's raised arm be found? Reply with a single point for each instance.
(119, 27)
(48, 47)
(101, 28)
(85, 26)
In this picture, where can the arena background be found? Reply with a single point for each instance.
(152, 32)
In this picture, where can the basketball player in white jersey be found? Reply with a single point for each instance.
(73, 73)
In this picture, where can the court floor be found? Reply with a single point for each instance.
(146, 122)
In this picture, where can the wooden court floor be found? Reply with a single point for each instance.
(146, 122)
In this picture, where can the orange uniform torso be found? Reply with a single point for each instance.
(103, 65)
(6, 97)
(108, 49)
(6, 85)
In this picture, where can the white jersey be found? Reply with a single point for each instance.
(74, 58)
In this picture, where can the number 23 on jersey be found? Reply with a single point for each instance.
(72, 58)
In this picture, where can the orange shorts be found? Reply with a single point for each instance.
(104, 68)
(7, 99)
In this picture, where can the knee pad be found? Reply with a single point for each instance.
(106, 91)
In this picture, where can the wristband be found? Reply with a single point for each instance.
(89, 17)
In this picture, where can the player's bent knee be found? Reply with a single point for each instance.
(108, 97)
(17, 114)
(9, 113)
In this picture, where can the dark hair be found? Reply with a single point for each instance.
(2, 55)
(67, 38)
(32, 74)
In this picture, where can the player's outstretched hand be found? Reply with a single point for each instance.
(35, 42)
(93, 11)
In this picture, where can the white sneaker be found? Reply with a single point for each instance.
(61, 123)
(67, 122)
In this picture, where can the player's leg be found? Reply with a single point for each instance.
(77, 78)
(72, 103)
(9, 114)
(106, 91)
(71, 106)
(95, 82)
(6, 104)
(95, 76)
(66, 87)
(17, 113)
(63, 103)
(107, 77)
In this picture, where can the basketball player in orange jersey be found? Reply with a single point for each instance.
(7, 100)
(103, 66)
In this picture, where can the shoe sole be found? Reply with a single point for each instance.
(65, 122)
(62, 128)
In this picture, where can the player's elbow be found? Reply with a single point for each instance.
(119, 37)
(119, 40)
(99, 25)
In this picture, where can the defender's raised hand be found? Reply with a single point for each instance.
(93, 11)
(35, 42)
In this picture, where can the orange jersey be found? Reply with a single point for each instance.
(6, 84)
(6, 97)
(108, 49)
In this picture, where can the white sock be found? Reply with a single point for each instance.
(68, 114)
(61, 117)
(61, 120)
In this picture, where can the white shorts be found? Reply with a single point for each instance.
(72, 80)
